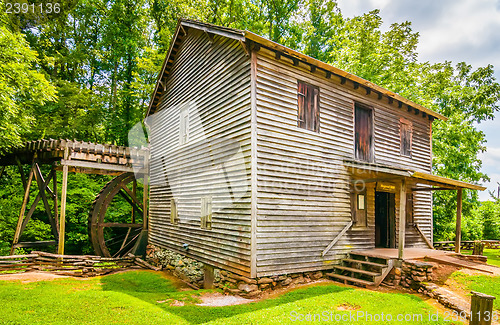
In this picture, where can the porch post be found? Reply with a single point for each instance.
(402, 218)
(458, 230)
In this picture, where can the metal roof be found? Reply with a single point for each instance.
(247, 37)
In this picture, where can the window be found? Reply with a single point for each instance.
(206, 212)
(184, 125)
(406, 131)
(359, 208)
(409, 208)
(363, 133)
(308, 106)
(174, 214)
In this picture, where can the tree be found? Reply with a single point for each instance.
(22, 87)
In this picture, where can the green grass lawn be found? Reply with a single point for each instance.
(133, 298)
(489, 285)
(492, 254)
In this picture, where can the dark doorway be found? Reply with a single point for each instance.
(385, 220)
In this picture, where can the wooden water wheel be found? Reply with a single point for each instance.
(116, 217)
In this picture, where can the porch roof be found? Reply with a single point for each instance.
(377, 172)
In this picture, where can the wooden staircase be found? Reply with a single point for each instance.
(362, 270)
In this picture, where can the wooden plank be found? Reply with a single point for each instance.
(458, 228)
(20, 220)
(336, 239)
(95, 165)
(62, 221)
(402, 218)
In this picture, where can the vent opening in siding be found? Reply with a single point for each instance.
(206, 212)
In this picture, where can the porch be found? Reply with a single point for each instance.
(404, 182)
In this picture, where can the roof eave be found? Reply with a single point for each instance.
(324, 66)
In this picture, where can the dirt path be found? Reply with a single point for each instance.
(27, 277)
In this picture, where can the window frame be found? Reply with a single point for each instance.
(362, 106)
(206, 212)
(308, 109)
(409, 124)
(184, 125)
(359, 216)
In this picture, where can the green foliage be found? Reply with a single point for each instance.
(22, 87)
(489, 214)
(486, 284)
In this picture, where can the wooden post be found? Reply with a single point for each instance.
(17, 234)
(145, 195)
(208, 277)
(402, 218)
(458, 230)
(481, 311)
(56, 205)
(62, 222)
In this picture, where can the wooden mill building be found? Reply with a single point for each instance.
(265, 161)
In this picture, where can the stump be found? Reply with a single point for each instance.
(478, 248)
(481, 309)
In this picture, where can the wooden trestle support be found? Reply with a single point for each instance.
(111, 235)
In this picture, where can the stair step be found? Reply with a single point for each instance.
(351, 260)
(350, 279)
(351, 269)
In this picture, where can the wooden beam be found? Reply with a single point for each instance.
(42, 187)
(379, 96)
(96, 165)
(426, 189)
(402, 218)
(21, 171)
(328, 75)
(54, 197)
(313, 68)
(17, 234)
(145, 196)
(368, 91)
(458, 230)
(336, 239)
(342, 80)
(62, 221)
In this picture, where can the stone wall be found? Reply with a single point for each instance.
(411, 274)
(191, 271)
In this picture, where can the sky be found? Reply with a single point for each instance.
(454, 30)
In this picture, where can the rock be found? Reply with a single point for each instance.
(316, 275)
(247, 287)
(298, 280)
(286, 282)
(397, 271)
(295, 275)
(264, 286)
(251, 294)
(234, 291)
(265, 280)
(242, 278)
(180, 263)
(224, 273)
(420, 278)
(282, 277)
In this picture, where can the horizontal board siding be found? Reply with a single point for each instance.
(302, 186)
(211, 79)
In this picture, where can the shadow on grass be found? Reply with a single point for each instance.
(153, 287)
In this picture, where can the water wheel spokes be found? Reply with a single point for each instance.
(115, 220)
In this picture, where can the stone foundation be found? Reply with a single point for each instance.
(191, 271)
(411, 274)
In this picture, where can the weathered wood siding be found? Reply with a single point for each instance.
(211, 80)
(302, 186)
